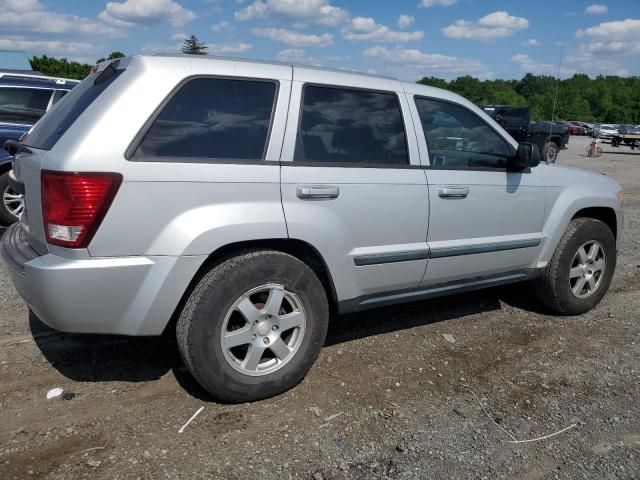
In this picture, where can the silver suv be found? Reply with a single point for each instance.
(241, 202)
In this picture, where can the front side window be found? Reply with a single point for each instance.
(23, 105)
(347, 126)
(457, 138)
(212, 118)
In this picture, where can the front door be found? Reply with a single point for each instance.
(484, 219)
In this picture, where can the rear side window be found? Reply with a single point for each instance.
(23, 105)
(457, 138)
(346, 126)
(54, 124)
(212, 119)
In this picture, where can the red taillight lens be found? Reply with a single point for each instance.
(74, 204)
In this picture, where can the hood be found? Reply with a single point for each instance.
(564, 176)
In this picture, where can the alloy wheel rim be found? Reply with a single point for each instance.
(263, 330)
(587, 269)
(13, 202)
(552, 153)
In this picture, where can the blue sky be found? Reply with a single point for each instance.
(404, 38)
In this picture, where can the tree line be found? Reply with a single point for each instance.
(604, 99)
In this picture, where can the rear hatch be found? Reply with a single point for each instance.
(36, 144)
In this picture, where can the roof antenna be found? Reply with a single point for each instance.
(555, 98)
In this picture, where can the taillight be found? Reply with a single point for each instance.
(74, 204)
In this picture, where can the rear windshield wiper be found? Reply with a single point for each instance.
(14, 146)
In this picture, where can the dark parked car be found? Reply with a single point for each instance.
(549, 137)
(576, 128)
(24, 98)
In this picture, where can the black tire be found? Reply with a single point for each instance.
(550, 152)
(200, 325)
(553, 288)
(6, 217)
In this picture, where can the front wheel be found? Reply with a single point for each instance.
(550, 152)
(253, 326)
(12, 204)
(581, 269)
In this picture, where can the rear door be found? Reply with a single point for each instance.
(352, 185)
(484, 219)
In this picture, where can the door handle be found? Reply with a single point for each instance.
(453, 192)
(317, 191)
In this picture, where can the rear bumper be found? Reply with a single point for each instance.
(114, 295)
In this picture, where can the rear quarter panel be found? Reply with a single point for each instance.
(174, 208)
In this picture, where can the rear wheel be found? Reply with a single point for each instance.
(581, 269)
(253, 326)
(550, 152)
(12, 204)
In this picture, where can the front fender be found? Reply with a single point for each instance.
(563, 205)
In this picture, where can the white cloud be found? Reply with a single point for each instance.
(431, 3)
(365, 28)
(494, 25)
(159, 48)
(405, 21)
(223, 27)
(298, 56)
(529, 65)
(21, 16)
(415, 63)
(49, 47)
(221, 49)
(318, 12)
(292, 37)
(179, 36)
(532, 42)
(146, 12)
(596, 9)
(617, 37)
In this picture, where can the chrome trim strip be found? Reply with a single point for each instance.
(441, 252)
(393, 257)
(483, 248)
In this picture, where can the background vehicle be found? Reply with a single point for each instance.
(628, 135)
(302, 190)
(575, 128)
(24, 98)
(607, 131)
(550, 138)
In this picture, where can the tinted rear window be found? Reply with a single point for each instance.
(211, 118)
(54, 124)
(347, 126)
(23, 105)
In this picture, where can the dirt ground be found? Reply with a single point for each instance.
(389, 397)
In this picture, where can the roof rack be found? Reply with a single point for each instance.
(57, 80)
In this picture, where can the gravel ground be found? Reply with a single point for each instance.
(389, 397)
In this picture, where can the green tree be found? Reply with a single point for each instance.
(608, 99)
(193, 46)
(112, 56)
(60, 67)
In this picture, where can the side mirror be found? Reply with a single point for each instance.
(527, 156)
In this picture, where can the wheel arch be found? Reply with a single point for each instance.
(303, 251)
(576, 203)
(606, 215)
